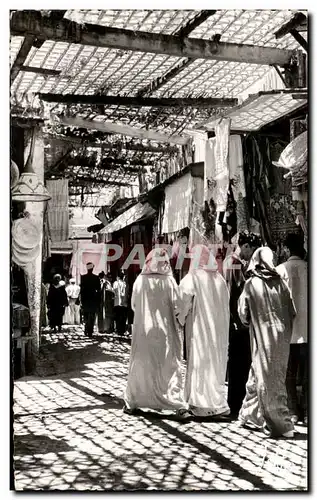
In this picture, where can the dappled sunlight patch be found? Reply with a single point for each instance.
(70, 434)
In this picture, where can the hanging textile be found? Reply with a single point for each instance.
(257, 163)
(237, 181)
(222, 131)
(282, 216)
(177, 205)
(199, 141)
(58, 213)
(197, 233)
(210, 170)
(46, 252)
(88, 252)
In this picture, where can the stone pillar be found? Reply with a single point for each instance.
(33, 270)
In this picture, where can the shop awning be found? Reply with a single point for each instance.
(61, 247)
(134, 214)
(261, 109)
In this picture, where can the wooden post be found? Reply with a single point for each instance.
(295, 72)
(33, 270)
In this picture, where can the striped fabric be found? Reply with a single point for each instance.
(57, 210)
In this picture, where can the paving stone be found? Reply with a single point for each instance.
(70, 433)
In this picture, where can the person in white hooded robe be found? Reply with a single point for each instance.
(155, 371)
(204, 301)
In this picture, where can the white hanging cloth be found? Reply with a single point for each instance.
(222, 132)
(177, 205)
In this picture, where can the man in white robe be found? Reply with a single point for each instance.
(294, 272)
(72, 312)
(155, 371)
(204, 310)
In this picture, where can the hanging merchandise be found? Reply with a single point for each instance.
(210, 170)
(46, 251)
(198, 229)
(26, 239)
(199, 140)
(257, 163)
(222, 132)
(29, 187)
(177, 205)
(58, 212)
(15, 174)
(88, 252)
(294, 158)
(237, 181)
(230, 228)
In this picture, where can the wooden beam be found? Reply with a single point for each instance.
(40, 71)
(107, 167)
(300, 96)
(85, 160)
(23, 23)
(82, 181)
(161, 80)
(140, 102)
(278, 71)
(297, 20)
(108, 145)
(195, 22)
(71, 205)
(57, 14)
(301, 40)
(114, 128)
(61, 161)
(185, 31)
(21, 57)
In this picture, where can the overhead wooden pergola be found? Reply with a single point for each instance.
(119, 90)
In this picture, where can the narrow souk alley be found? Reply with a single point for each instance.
(70, 432)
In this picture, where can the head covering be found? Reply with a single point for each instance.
(262, 264)
(202, 257)
(57, 280)
(157, 262)
(90, 265)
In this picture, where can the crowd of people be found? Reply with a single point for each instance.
(240, 331)
(97, 302)
(249, 322)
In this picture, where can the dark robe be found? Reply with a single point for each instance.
(90, 300)
(105, 313)
(56, 303)
(239, 356)
(90, 292)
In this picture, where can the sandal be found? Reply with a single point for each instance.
(184, 414)
(129, 411)
(247, 424)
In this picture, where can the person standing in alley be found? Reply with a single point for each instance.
(204, 310)
(120, 303)
(56, 302)
(72, 312)
(155, 369)
(90, 298)
(294, 272)
(266, 306)
(239, 355)
(105, 312)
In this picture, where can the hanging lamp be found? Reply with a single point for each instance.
(29, 187)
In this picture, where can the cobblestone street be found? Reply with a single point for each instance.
(70, 432)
